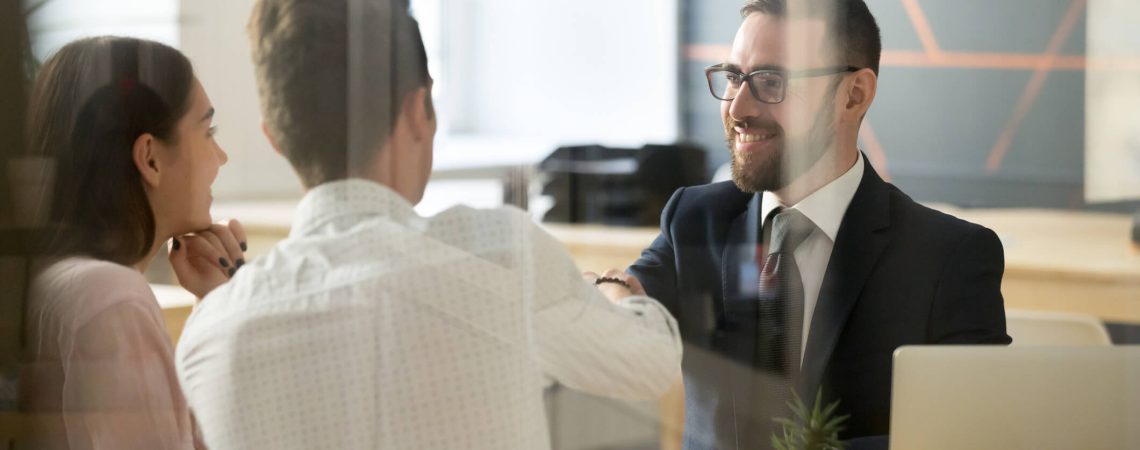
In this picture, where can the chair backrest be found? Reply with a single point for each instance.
(990, 397)
(1055, 328)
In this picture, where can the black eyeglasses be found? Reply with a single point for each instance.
(768, 86)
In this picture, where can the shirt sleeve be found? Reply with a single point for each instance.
(631, 350)
(120, 388)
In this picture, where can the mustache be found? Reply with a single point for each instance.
(753, 124)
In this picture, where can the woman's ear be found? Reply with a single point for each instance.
(145, 154)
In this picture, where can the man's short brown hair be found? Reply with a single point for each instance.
(851, 26)
(332, 75)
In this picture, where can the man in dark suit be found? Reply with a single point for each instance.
(808, 270)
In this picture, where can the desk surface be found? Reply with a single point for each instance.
(1042, 242)
(1065, 244)
(1039, 243)
(1055, 260)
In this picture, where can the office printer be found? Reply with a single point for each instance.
(618, 186)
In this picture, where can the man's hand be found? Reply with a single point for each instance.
(205, 259)
(615, 291)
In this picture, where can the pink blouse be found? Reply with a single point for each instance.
(100, 372)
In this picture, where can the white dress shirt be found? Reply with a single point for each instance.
(825, 208)
(373, 327)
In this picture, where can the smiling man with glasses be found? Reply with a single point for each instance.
(807, 271)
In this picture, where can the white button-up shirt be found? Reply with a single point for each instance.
(373, 327)
(825, 208)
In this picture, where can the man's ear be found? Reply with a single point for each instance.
(145, 156)
(269, 137)
(417, 109)
(861, 93)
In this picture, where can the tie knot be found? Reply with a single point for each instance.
(789, 229)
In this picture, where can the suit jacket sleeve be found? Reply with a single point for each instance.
(968, 306)
(656, 269)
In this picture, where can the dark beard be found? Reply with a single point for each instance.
(778, 171)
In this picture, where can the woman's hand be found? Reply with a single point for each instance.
(205, 259)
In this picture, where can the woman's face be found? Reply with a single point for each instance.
(190, 163)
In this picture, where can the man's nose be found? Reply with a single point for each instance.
(744, 106)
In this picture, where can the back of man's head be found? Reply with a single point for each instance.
(851, 26)
(331, 75)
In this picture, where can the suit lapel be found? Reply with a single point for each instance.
(859, 243)
(739, 302)
(739, 254)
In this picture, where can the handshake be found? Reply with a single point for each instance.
(615, 284)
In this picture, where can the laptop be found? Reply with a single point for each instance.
(996, 397)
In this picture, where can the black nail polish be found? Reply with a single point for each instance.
(177, 245)
(223, 262)
(243, 247)
(232, 272)
(240, 262)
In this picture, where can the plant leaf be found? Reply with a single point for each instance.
(835, 422)
(786, 422)
(830, 409)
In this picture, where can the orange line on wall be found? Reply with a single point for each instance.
(707, 52)
(875, 151)
(922, 28)
(1033, 88)
(962, 60)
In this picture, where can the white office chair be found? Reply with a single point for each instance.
(1038, 328)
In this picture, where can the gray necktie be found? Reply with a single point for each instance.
(780, 326)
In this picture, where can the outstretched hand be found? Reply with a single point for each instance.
(615, 292)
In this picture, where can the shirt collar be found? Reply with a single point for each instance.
(349, 197)
(826, 206)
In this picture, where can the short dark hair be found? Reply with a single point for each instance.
(332, 75)
(852, 27)
(90, 103)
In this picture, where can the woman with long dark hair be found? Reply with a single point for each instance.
(128, 127)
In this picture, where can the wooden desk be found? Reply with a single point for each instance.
(1055, 260)
(1067, 261)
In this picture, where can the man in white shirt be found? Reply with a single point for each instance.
(373, 327)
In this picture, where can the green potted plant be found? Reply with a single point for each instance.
(810, 429)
